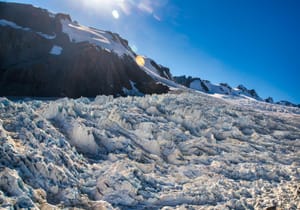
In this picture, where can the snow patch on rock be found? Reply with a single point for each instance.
(13, 25)
(133, 91)
(56, 50)
(4, 22)
(46, 36)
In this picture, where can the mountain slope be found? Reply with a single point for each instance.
(44, 54)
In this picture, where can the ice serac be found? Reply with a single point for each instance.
(45, 54)
(171, 151)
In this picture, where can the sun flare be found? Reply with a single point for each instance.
(140, 60)
(115, 14)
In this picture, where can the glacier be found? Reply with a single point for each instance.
(181, 150)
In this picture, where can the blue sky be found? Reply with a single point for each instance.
(250, 42)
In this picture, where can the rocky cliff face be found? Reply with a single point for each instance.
(43, 54)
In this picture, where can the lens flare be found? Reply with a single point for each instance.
(140, 60)
(115, 14)
(134, 48)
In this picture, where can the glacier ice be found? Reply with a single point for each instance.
(182, 150)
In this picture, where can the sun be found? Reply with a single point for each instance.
(115, 14)
(114, 7)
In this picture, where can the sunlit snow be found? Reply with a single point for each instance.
(103, 39)
(173, 151)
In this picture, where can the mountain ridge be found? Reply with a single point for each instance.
(50, 55)
(206, 86)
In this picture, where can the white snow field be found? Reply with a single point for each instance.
(175, 151)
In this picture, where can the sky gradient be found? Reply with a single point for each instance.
(251, 42)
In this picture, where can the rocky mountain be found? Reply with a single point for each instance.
(45, 54)
(224, 89)
(49, 55)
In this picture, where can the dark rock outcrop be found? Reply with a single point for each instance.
(252, 93)
(183, 80)
(163, 71)
(287, 103)
(186, 81)
(269, 100)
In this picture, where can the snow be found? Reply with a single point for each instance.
(79, 33)
(196, 85)
(152, 72)
(4, 22)
(211, 88)
(149, 69)
(174, 151)
(56, 50)
(149, 65)
(51, 14)
(133, 91)
(46, 36)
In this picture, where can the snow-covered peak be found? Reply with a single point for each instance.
(223, 90)
(105, 40)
